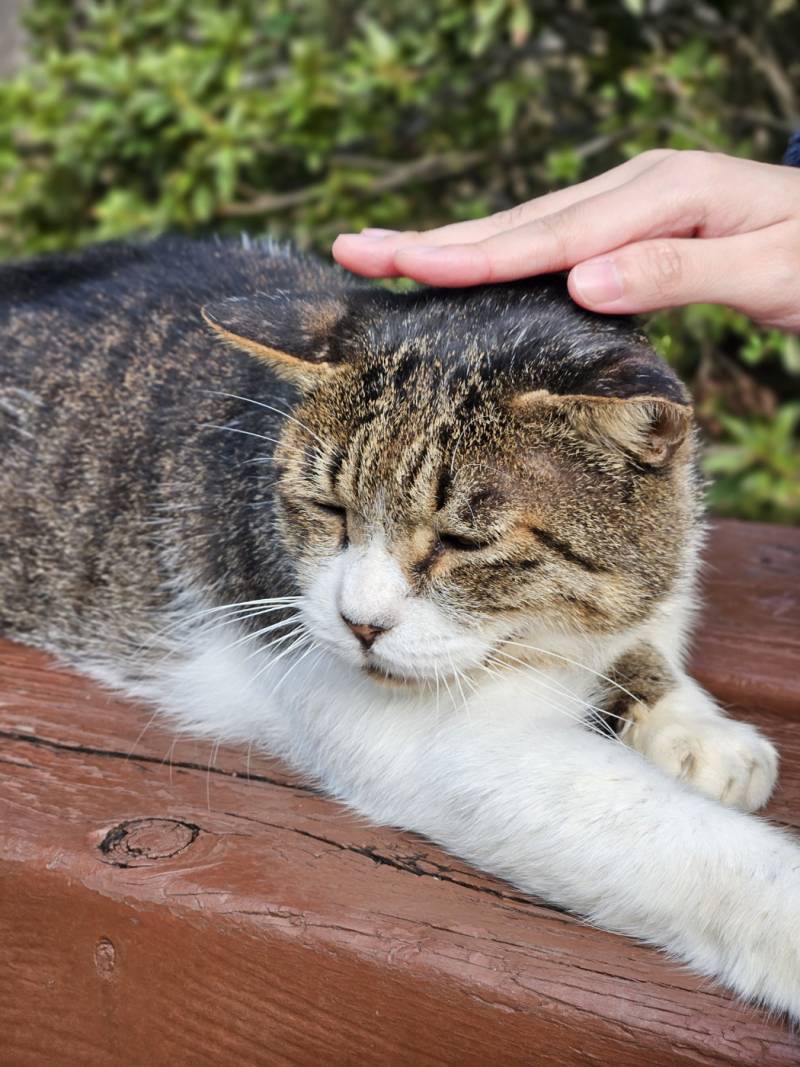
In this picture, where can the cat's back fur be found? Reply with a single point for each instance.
(109, 387)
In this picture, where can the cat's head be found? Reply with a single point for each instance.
(465, 466)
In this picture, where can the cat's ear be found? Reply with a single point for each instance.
(647, 428)
(293, 334)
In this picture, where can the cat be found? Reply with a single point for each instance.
(437, 550)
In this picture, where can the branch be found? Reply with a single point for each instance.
(428, 168)
(765, 60)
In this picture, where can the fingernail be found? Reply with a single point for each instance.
(598, 282)
(375, 232)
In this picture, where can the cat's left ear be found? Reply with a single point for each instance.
(294, 334)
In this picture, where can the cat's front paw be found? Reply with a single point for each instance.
(727, 760)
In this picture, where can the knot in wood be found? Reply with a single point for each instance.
(143, 842)
(105, 958)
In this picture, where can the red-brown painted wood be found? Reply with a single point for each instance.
(747, 646)
(164, 903)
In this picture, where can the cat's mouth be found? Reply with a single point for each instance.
(398, 679)
(387, 677)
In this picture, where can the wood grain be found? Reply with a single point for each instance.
(162, 902)
(747, 647)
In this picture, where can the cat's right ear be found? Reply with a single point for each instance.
(649, 429)
(293, 334)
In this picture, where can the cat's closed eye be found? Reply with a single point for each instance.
(336, 512)
(462, 544)
(330, 509)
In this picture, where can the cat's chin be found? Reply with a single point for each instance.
(386, 677)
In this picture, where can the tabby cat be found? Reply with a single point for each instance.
(437, 550)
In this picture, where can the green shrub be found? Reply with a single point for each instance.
(304, 118)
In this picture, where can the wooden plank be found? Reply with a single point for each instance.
(306, 896)
(156, 911)
(747, 646)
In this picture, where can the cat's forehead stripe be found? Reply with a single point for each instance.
(443, 484)
(335, 463)
(415, 462)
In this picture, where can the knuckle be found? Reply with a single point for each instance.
(556, 233)
(658, 155)
(664, 268)
(792, 242)
(774, 301)
(785, 267)
(700, 166)
(510, 218)
(779, 261)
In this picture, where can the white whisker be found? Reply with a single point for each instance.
(581, 720)
(558, 687)
(211, 761)
(277, 411)
(575, 663)
(258, 633)
(246, 433)
(457, 680)
(313, 647)
(141, 733)
(301, 640)
(296, 632)
(268, 603)
(446, 685)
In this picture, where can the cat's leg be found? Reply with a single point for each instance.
(536, 798)
(584, 822)
(671, 720)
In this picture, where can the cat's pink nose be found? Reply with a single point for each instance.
(365, 632)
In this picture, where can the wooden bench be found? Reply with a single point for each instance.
(162, 902)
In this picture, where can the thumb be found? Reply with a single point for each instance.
(747, 272)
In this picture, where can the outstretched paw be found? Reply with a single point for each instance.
(727, 760)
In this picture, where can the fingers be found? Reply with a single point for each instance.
(687, 194)
(642, 207)
(756, 273)
(373, 251)
(672, 194)
(645, 207)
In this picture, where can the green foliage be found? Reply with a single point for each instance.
(306, 117)
(757, 472)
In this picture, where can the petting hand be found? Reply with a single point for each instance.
(662, 230)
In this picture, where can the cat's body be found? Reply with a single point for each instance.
(480, 521)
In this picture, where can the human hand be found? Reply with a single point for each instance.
(662, 230)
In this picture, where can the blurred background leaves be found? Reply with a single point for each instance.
(304, 118)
